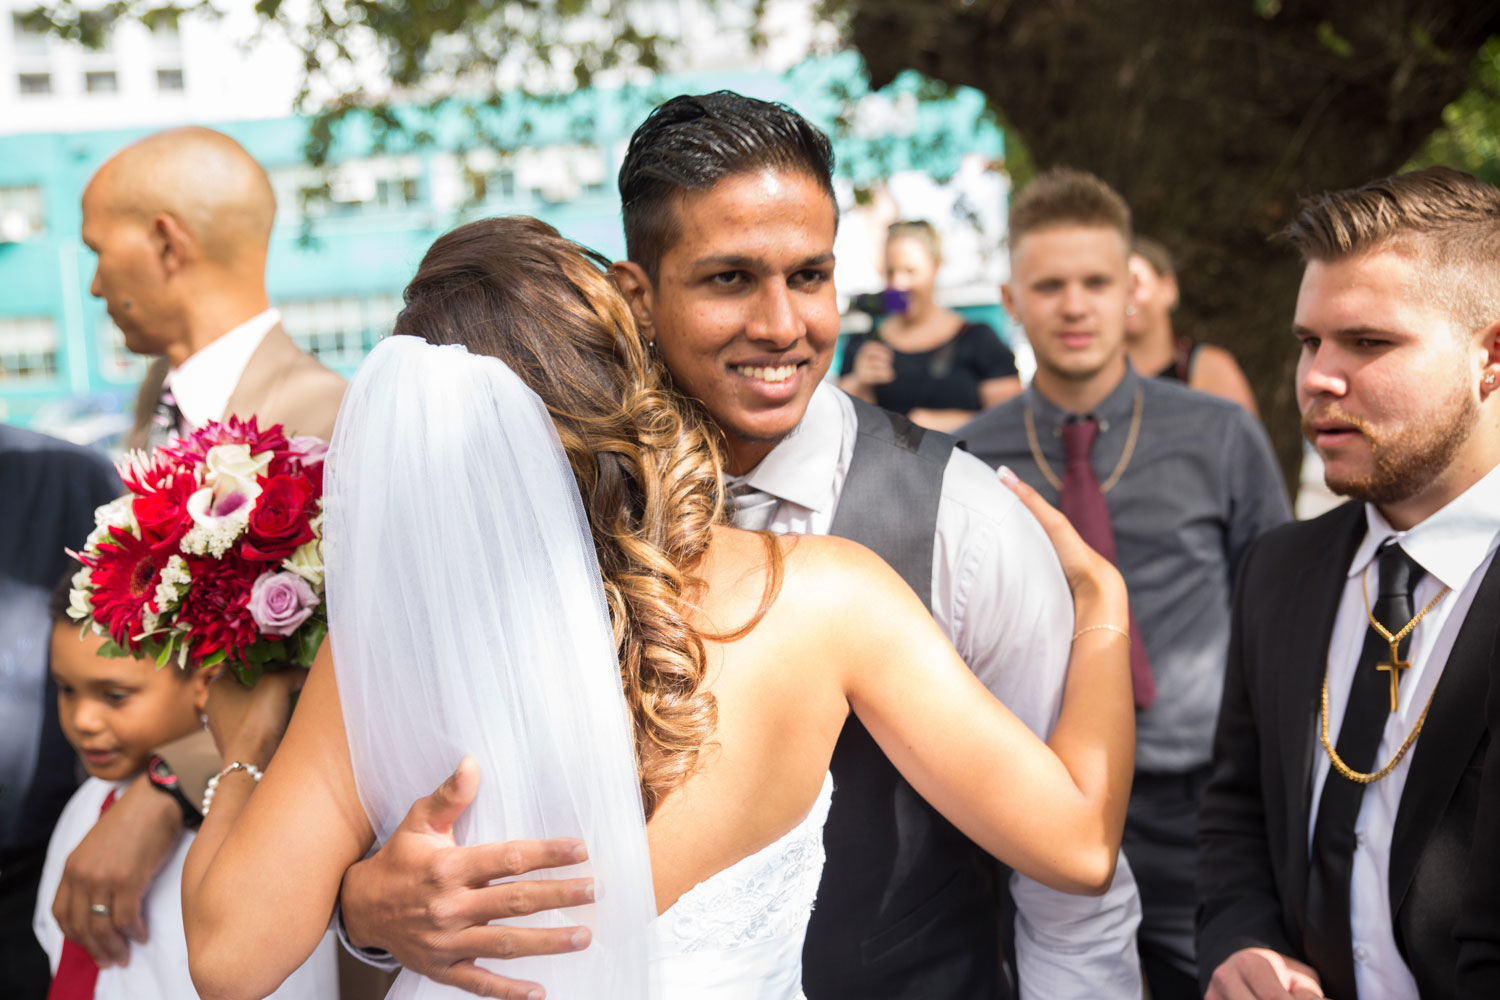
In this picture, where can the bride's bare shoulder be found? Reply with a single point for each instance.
(820, 573)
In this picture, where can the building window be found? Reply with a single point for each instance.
(21, 213)
(499, 185)
(35, 83)
(117, 362)
(102, 81)
(339, 332)
(28, 349)
(169, 79)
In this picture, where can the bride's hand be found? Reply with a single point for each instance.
(1083, 567)
(247, 723)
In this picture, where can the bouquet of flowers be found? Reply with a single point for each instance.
(214, 556)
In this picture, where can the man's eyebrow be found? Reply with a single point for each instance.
(742, 262)
(1347, 332)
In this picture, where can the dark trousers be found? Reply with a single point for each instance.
(1159, 842)
(24, 973)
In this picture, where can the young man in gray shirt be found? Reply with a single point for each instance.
(1177, 483)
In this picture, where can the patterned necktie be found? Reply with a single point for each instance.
(166, 420)
(753, 509)
(1083, 504)
(1328, 937)
(76, 971)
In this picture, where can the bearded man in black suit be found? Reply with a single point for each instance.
(1338, 832)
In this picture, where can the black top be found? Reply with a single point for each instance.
(1184, 353)
(944, 378)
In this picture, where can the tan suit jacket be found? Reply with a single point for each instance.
(281, 384)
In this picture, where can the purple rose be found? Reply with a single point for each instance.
(281, 602)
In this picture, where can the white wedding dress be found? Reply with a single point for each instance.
(467, 616)
(737, 935)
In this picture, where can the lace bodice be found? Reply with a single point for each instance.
(739, 932)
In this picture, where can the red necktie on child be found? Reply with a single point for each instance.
(1083, 505)
(76, 971)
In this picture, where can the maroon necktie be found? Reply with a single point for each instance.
(76, 971)
(1083, 504)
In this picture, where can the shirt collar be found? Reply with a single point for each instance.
(1451, 543)
(1114, 408)
(204, 382)
(796, 470)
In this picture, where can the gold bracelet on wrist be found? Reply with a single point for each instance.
(1107, 628)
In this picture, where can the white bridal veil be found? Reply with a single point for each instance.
(467, 617)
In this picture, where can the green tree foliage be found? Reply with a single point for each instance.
(1212, 119)
(1470, 136)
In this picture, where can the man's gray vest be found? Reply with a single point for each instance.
(907, 905)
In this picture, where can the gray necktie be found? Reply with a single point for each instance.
(753, 509)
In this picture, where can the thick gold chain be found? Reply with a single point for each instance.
(1385, 633)
(1119, 470)
(1361, 777)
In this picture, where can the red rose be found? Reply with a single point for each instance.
(280, 521)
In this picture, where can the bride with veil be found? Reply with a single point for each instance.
(528, 563)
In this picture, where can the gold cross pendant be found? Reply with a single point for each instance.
(1395, 667)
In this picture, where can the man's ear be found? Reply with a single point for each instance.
(175, 244)
(630, 278)
(1489, 369)
(1009, 302)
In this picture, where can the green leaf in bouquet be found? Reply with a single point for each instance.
(165, 656)
(264, 651)
(310, 640)
(213, 659)
(114, 650)
(247, 673)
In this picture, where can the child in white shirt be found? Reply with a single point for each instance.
(115, 711)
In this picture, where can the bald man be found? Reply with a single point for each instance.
(181, 224)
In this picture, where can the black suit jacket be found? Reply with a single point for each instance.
(1252, 831)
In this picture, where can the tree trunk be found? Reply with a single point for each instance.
(1211, 118)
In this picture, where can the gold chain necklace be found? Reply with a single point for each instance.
(1119, 470)
(1361, 777)
(1395, 666)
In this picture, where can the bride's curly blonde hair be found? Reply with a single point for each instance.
(646, 458)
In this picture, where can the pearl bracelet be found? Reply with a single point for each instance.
(213, 783)
(1094, 628)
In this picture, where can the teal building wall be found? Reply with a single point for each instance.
(367, 255)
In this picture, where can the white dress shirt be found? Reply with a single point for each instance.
(159, 967)
(204, 382)
(1454, 546)
(999, 595)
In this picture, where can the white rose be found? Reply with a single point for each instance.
(118, 513)
(307, 562)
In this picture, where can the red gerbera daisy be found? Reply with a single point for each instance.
(125, 575)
